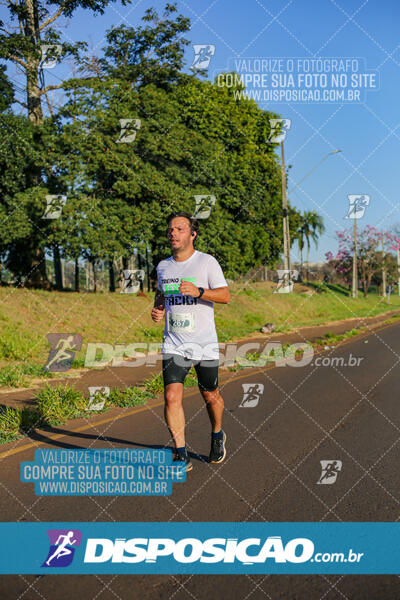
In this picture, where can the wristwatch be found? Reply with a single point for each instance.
(201, 290)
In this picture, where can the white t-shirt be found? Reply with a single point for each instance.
(189, 322)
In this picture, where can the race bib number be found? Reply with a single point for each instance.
(181, 322)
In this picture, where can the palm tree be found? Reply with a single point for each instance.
(312, 227)
(300, 239)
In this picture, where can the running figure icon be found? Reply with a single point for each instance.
(330, 471)
(61, 549)
(63, 347)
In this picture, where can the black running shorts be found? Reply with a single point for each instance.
(176, 367)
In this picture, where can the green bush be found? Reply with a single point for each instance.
(30, 419)
(14, 422)
(55, 405)
(130, 396)
(59, 403)
(155, 385)
(10, 421)
(11, 377)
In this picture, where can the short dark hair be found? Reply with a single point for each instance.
(194, 223)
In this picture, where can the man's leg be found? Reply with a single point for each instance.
(173, 412)
(215, 408)
(174, 373)
(207, 375)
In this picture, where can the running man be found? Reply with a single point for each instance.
(188, 284)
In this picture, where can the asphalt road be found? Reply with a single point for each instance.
(305, 415)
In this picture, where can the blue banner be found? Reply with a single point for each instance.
(191, 548)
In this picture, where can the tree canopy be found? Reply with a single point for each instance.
(134, 139)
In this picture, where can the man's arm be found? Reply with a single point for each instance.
(158, 310)
(159, 299)
(220, 294)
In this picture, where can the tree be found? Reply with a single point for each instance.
(194, 139)
(147, 54)
(311, 227)
(394, 241)
(23, 46)
(35, 19)
(22, 233)
(369, 259)
(191, 138)
(6, 90)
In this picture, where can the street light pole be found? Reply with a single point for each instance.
(383, 269)
(286, 230)
(355, 274)
(286, 233)
(313, 169)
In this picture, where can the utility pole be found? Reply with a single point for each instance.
(383, 269)
(355, 274)
(286, 233)
(398, 269)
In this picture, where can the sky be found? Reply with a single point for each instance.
(347, 49)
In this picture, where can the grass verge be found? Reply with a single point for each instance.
(26, 318)
(58, 404)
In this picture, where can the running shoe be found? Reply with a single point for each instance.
(183, 458)
(218, 450)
